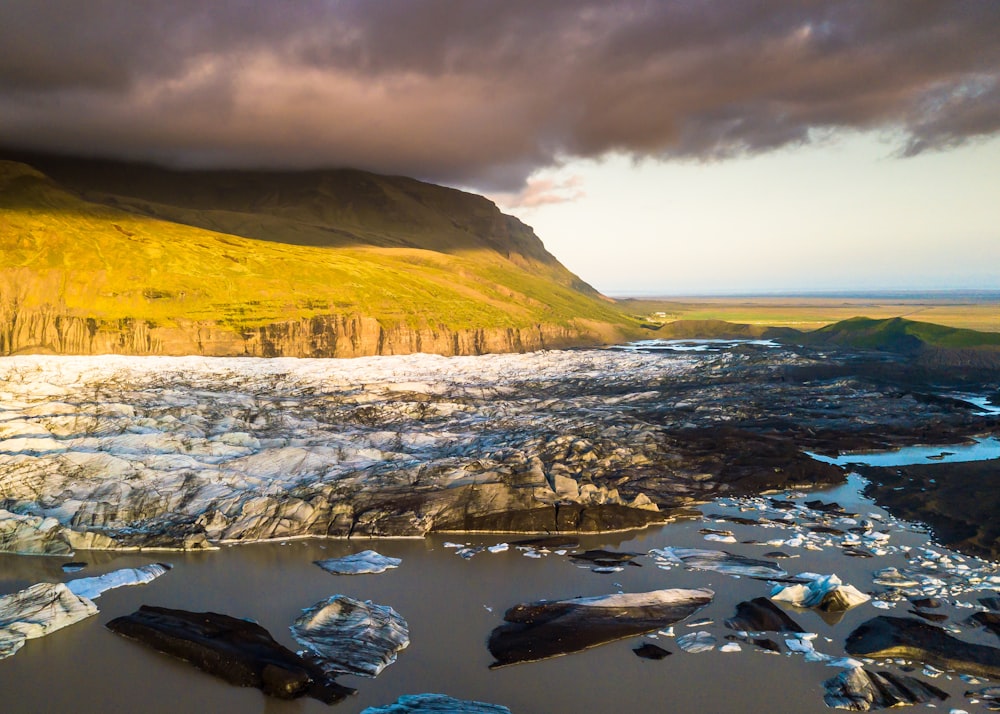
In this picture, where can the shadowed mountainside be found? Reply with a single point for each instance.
(107, 257)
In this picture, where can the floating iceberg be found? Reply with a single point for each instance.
(719, 561)
(38, 610)
(239, 651)
(352, 636)
(802, 644)
(700, 641)
(860, 689)
(907, 637)
(761, 615)
(647, 650)
(93, 587)
(436, 704)
(824, 592)
(367, 561)
(543, 629)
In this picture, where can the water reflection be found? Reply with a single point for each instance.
(452, 604)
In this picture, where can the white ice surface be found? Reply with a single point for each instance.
(37, 611)
(367, 561)
(93, 587)
(812, 594)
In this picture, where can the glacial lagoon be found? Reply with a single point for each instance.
(452, 603)
(453, 589)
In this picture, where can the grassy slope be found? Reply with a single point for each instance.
(898, 334)
(107, 262)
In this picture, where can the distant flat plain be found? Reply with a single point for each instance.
(972, 310)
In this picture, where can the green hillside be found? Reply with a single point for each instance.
(900, 335)
(249, 249)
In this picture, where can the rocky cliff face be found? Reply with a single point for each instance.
(324, 336)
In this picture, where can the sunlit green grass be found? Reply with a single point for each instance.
(98, 261)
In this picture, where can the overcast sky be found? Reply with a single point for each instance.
(683, 146)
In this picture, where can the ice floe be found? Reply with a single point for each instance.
(93, 587)
(761, 615)
(647, 650)
(351, 636)
(802, 643)
(695, 642)
(543, 629)
(367, 561)
(885, 636)
(860, 689)
(719, 561)
(37, 611)
(237, 650)
(824, 592)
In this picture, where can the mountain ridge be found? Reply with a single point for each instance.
(406, 266)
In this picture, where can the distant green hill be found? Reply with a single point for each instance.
(899, 335)
(97, 256)
(720, 329)
(925, 345)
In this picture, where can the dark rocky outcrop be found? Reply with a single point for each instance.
(539, 630)
(241, 652)
(886, 636)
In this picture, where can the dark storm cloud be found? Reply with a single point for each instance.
(484, 92)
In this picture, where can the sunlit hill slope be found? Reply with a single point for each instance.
(102, 257)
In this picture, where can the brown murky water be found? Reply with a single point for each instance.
(451, 605)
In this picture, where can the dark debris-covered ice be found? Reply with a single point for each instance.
(860, 689)
(543, 629)
(349, 636)
(239, 651)
(885, 636)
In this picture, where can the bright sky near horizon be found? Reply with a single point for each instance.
(656, 147)
(846, 215)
